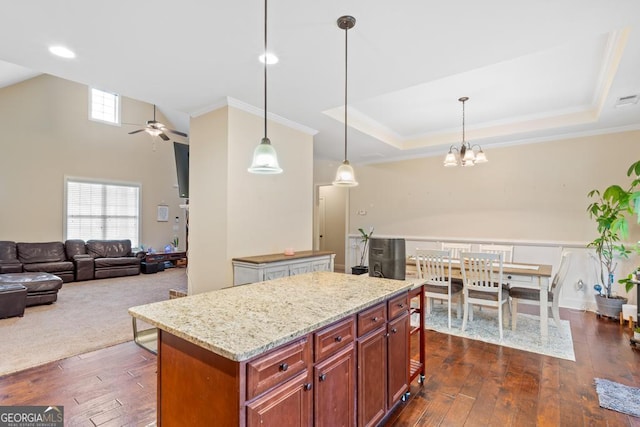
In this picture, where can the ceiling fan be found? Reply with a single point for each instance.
(155, 128)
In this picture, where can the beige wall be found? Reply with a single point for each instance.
(531, 192)
(46, 135)
(234, 213)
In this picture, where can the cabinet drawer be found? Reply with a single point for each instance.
(520, 281)
(332, 338)
(398, 305)
(277, 366)
(372, 318)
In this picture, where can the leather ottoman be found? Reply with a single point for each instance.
(42, 288)
(13, 299)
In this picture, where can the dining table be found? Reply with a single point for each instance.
(514, 274)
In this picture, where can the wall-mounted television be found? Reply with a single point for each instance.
(182, 168)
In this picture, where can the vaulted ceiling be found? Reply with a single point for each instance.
(533, 70)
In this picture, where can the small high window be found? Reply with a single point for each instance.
(104, 106)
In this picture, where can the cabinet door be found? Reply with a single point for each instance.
(299, 268)
(372, 377)
(288, 405)
(271, 273)
(334, 402)
(398, 358)
(324, 265)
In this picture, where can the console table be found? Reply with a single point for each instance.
(259, 268)
(172, 257)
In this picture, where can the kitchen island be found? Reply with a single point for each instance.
(284, 352)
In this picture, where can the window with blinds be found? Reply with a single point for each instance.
(101, 210)
(104, 106)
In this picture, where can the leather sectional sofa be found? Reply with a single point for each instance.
(73, 260)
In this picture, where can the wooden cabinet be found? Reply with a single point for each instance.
(287, 405)
(397, 357)
(334, 390)
(383, 358)
(372, 377)
(274, 266)
(351, 372)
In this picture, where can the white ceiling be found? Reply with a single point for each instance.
(533, 71)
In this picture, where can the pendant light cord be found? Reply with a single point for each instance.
(346, 47)
(265, 69)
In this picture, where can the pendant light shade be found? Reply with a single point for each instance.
(345, 176)
(265, 159)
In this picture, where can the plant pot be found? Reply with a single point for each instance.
(636, 336)
(359, 269)
(610, 307)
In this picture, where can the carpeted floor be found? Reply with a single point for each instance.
(484, 327)
(87, 316)
(618, 397)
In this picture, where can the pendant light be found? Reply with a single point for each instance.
(265, 159)
(345, 177)
(465, 155)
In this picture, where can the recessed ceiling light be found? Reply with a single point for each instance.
(271, 58)
(62, 52)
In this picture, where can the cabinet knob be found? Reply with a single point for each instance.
(307, 386)
(322, 377)
(401, 305)
(375, 319)
(394, 330)
(509, 277)
(284, 367)
(338, 338)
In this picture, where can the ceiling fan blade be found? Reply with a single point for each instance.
(177, 132)
(164, 137)
(136, 131)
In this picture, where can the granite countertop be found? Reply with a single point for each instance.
(244, 321)
(264, 259)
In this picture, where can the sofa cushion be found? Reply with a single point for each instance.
(8, 251)
(50, 267)
(109, 248)
(30, 253)
(116, 262)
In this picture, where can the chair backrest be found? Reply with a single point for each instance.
(505, 250)
(455, 248)
(559, 278)
(434, 266)
(482, 271)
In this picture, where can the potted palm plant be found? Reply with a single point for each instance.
(610, 210)
(364, 240)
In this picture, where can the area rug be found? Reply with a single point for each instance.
(618, 397)
(87, 316)
(484, 327)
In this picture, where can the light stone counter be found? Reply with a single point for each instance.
(244, 321)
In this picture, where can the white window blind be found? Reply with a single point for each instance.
(97, 210)
(104, 106)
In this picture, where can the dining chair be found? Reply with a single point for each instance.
(505, 250)
(482, 284)
(532, 295)
(434, 267)
(455, 248)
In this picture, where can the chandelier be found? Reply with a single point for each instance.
(467, 155)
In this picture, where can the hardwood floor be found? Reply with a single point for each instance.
(468, 383)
